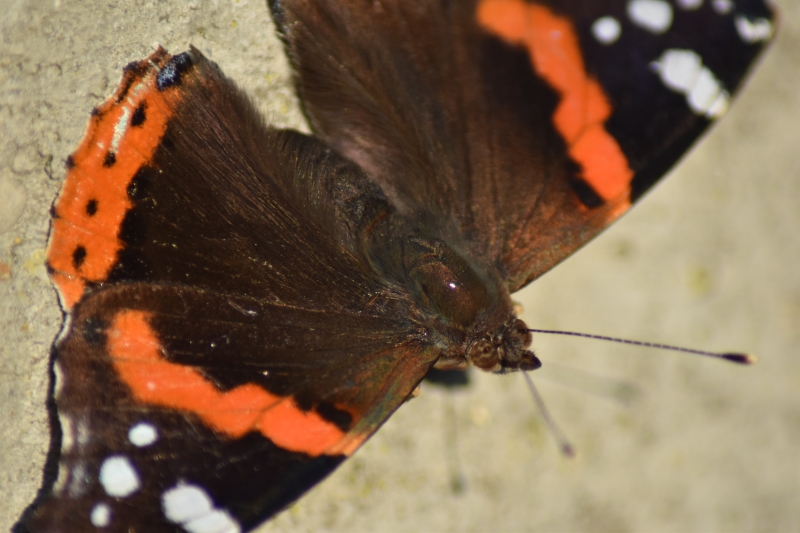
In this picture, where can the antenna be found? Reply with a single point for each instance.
(739, 358)
(563, 444)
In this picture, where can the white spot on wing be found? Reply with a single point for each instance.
(679, 69)
(689, 5)
(683, 72)
(143, 434)
(723, 7)
(606, 30)
(705, 91)
(185, 502)
(654, 16)
(100, 515)
(118, 476)
(753, 31)
(192, 508)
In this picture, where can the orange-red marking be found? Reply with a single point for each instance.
(89, 180)
(136, 353)
(553, 46)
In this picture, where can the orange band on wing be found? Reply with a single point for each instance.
(136, 353)
(122, 136)
(552, 44)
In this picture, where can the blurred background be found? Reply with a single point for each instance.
(666, 442)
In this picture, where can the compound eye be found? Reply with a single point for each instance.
(483, 354)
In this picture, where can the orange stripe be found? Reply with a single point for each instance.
(135, 352)
(107, 186)
(67, 237)
(552, 44)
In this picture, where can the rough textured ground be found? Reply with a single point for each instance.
(709, 259)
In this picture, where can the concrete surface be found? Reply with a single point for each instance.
(709, 259)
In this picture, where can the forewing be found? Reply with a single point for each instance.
(530, 125)
(178, 180)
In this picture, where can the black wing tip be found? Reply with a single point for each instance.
(172, 73)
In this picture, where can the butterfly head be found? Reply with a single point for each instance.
(505, 350)
(466, 310)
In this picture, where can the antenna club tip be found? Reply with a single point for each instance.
(568, 451)
(741, 358)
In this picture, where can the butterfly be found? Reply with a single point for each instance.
(245, 306)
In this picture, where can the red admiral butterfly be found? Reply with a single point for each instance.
(246, 305)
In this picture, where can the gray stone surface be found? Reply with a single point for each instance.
(709, 259)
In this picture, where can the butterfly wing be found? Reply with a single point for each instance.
(178, 180)
(530, 125)
(224, 350)
(185, 407)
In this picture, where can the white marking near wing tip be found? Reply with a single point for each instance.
(185, 502)
(606, 30)
(118, 476)
(100, 515)
(678, 69)
(192, 508)
(120, 128)
(753, 31)
(682, 71)
(133, 94)
(143, 434)
(689, 5)
(654, 16)
(705, 91)
(723, 7)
